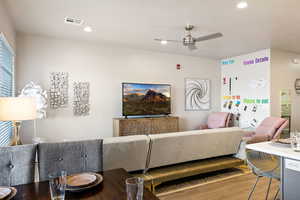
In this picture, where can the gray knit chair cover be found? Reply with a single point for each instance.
(72, 157)
(17, 165)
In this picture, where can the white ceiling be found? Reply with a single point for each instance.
(135, 23)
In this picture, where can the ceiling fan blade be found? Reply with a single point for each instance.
(208, 37)
(159, 39)
(192, 47)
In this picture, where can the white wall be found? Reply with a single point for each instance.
(283, 75)
(250, 87)
(6, 26)
(106, 67)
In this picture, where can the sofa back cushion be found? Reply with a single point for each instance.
(172, 148)
(217, 120)
(128, 152)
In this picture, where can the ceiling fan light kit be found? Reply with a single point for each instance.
(188, 40)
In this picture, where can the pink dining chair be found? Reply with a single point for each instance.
(269, 129)
(217, 120)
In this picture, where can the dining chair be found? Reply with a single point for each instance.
(72, 157)
(270, 128)
(17, 165)
(263, 165)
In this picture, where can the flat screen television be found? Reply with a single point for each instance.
(146, 99)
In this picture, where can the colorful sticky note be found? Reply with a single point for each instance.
(249, 101)
(265, 101)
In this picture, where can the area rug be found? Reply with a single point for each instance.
(199, 180)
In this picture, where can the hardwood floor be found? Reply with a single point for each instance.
(236, 188)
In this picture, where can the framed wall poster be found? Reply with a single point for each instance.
(197, 94)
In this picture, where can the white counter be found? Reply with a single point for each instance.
(290, 167)
(282, 150)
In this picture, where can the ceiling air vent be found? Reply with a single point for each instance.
(73, 21)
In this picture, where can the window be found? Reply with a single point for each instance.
(6, 84)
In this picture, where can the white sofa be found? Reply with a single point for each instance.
(145, 152)
(128, 152)
(173, 148)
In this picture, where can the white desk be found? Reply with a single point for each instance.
(290, 167)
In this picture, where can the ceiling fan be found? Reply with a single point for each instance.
(190, 41)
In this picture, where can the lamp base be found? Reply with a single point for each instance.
(16, 140)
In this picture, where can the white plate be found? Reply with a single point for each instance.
(12, 193)
(81, 180)
(79, 189)
(4, 192)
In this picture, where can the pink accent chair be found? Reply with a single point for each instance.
(217, 120)
(269, 129)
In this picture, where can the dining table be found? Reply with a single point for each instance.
(113, 187)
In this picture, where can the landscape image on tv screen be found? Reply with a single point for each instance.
(146, 99)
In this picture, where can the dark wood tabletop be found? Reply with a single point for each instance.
(112, 188)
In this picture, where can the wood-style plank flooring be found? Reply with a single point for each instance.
(236, 188)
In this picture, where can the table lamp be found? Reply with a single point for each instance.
(17, 109)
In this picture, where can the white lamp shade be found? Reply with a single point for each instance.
(17, 108)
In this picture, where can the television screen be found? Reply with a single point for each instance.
(146, 99)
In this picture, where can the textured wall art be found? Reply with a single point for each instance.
(58, 93)
(81, 104)
(197, 94)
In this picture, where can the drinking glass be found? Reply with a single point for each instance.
(135, 188)
(57, 184)
(295, 141)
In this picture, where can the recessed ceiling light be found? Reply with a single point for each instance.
(88, 29)
(163, 42)
(242, 5)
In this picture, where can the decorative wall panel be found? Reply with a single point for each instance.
(81, 105)
(58, 93)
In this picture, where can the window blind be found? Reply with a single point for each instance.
(6, 86)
